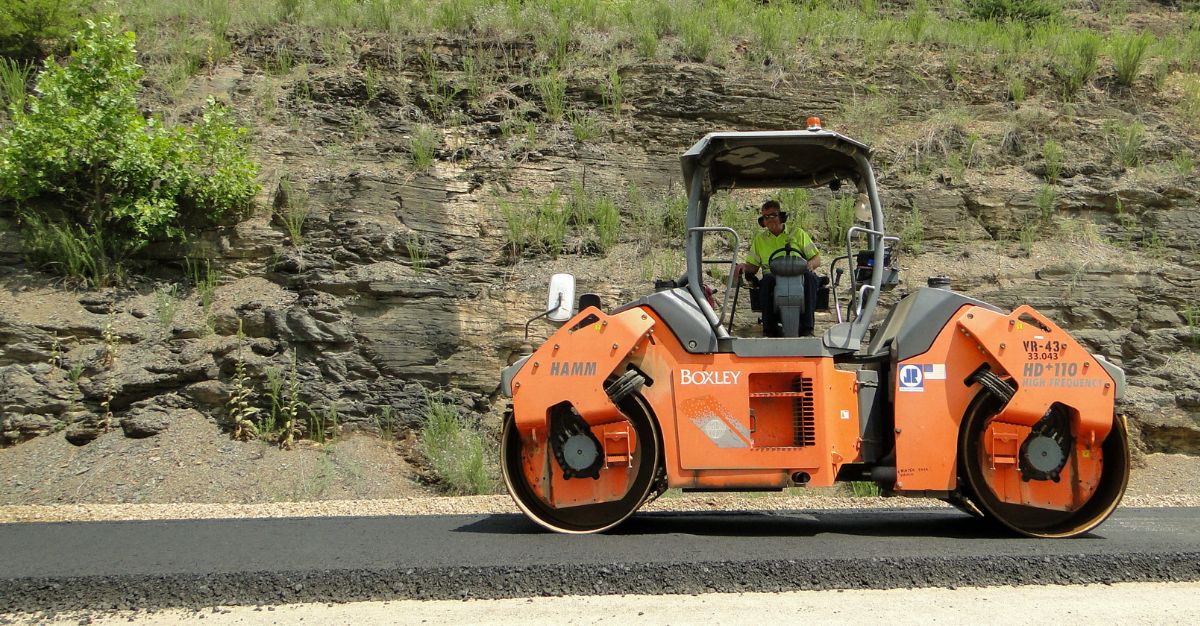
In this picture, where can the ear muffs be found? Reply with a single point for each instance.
(782, 219)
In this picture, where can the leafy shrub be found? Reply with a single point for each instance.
(81, 144)
(30, 29)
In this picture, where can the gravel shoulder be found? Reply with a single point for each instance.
(1164, 480)
(193, 471)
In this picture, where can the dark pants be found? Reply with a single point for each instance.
(772, 327)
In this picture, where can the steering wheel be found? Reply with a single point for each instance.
(787, 247)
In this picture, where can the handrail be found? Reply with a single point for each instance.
(877, 238)
(737, 244)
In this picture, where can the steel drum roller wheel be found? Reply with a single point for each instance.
(587, 518)
(1030, 520)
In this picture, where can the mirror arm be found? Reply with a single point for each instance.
(557, 303)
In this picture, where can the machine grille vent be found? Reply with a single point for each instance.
(804, 414)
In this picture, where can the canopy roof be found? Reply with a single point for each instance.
(787, 158)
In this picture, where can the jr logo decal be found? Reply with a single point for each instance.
(912, 378)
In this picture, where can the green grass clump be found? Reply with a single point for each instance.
(81, 255)
(14, 81)
(1128, 52)
(864, 489)
(912, 236)
(166, 305)
(423, 145)
(1125, 141)
(1028, 11)
(455, 450)
(1052, 158)
(584, 126)
(1076, 59)
(839, 217)
(291, 209)
(537, 226)
(552, 88)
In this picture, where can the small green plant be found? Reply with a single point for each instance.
(14, 82)
(31, 29)
(606, 221)
(552, 88)
(1184, 164)
(385, 422)
(646, 40)
(1027, 236)
(75, 372)
(697, 38)
(1126, 223)
(1125, 141)
(584, 126)
(1027, 11)
(1153, 245)
(1016, 89)
(1045, 198)
(614, 93)
(284, 395)
(423, 145)
(205, 280)
(56, 356)
(418, 252)
(536, 225)
(291, 209)
(455, 450)
(166, 305)
(281, 62)
(439, 93)
(864, 489)
(1191, 316)
(1052, 157)
(323, 423)
(839, 217)
(1189, 104)
(110, 341)
(371, 82)
(1128, 52)
(662, 264)
(1075, 61)
(912, 236)
(240, 404)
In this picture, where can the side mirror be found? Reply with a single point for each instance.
(862, 208)
(562, 298)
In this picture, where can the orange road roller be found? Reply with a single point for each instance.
(1000, 413)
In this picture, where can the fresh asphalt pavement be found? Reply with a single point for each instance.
(151, 564)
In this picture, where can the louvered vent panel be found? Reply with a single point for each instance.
(804, 413)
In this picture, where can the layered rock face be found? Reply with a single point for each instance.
(402, 283)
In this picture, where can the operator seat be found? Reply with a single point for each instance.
(791, 297)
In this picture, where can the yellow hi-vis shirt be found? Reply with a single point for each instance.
(765, 244)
